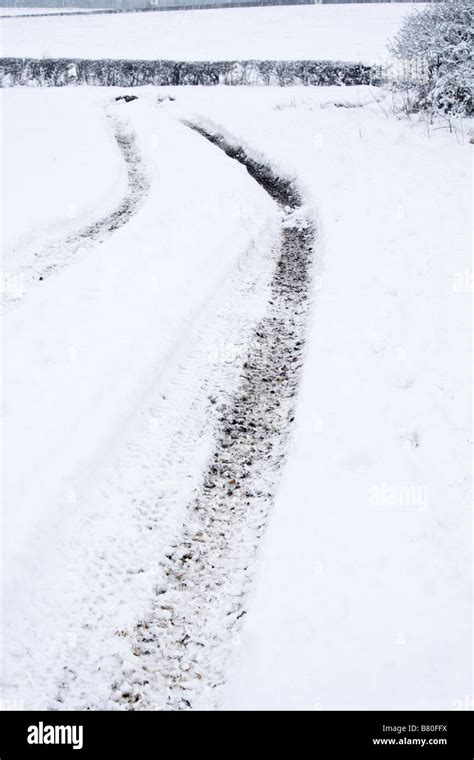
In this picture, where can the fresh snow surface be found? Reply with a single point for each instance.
(352, 32)
(362, 591)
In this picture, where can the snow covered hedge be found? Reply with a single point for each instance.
(56, 72)
(434, 46)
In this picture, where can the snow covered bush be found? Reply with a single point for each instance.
(434, 47)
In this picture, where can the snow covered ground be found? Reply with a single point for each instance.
(352, 32)
(116, 366)
(106, 384)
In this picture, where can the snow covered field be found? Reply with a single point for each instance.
(352, 32)
(116, 365)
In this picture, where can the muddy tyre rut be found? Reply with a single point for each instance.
(55, 255)
(181, 648)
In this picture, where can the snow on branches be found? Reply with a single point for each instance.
(434, 46)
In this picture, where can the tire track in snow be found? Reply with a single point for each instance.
(70, 637)
(181, 648)
(54, 256)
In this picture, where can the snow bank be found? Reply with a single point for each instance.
(353, 32)
(362, 596)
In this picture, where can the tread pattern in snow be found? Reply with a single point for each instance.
(182, 646)
(54, 256)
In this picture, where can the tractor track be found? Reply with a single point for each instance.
(181, 648)
(52, 257)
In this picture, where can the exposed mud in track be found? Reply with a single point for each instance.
(54, 256)
(194, 621)
(137, 189)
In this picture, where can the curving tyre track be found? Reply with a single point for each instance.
(50, 258)
(181, 648)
